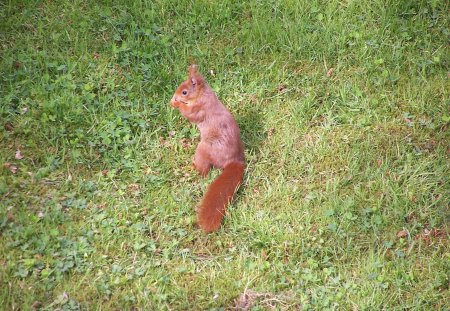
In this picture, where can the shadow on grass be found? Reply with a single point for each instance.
(251, 124)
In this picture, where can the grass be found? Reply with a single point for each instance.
(344, 112)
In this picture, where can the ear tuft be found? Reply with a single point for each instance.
(192, 69)
(194, 76)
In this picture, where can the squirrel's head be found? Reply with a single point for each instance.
(190, 90)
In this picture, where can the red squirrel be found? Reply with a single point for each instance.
(220, 146)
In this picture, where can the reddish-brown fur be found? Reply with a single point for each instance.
(220, 146)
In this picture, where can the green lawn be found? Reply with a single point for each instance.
(344, 110)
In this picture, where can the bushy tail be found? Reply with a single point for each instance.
(219, 194)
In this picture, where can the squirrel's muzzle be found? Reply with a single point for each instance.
(173, 102)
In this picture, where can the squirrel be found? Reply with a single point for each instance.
(220, 146)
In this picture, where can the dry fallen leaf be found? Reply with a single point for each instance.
(9, 127)
(10, 216)
(268, 301)
(263, 254)
(281, 88)
(247, 300)
(186, 143)
(403, 233)
(164, 142)
(19, 155)
(10, 167)
(426, 234)
(330, 72)
(133, 187)
(36, 305)
(407, 120)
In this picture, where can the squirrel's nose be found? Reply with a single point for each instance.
(173, 101)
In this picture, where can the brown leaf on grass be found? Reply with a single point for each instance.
(427, 235)
(10, 167)
(164, 142)
(249, 298)
(263, 254)
(101, 205)
(330, 72)
(402, 234)
(438, 233)
(133, 188)
(36, 305)
(281, 88)
(254, 99)
(9, 127)
(19, 155)
(10, 216)
(186, 143)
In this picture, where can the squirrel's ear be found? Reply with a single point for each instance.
(192, 70)
(193, 80)
(194, 76)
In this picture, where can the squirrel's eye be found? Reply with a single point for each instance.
(184, 92)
